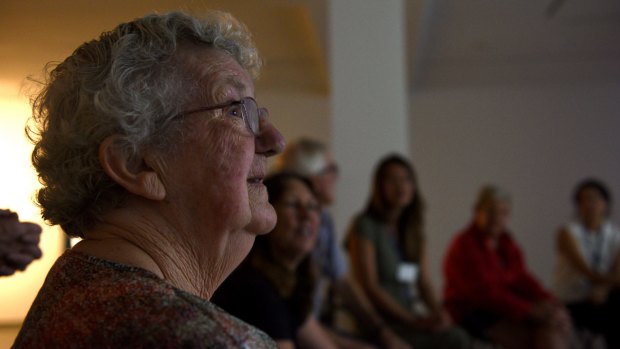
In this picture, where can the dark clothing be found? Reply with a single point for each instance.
(88, 302)
(250, 296)
(602, 319)
(480, 278)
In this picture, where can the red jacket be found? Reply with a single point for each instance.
(479, 278)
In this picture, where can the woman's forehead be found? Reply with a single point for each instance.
(215, 69)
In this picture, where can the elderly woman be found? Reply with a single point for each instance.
(280, 271)
(488, 288)
(151, 147)
(587, 271)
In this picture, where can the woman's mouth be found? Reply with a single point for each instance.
(255, 180)
(304, 231)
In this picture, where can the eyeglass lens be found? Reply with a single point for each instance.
(252, 114)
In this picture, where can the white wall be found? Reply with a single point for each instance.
(535, 141)
(297, 114)
(368, 97)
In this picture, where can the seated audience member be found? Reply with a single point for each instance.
(313, 160)
(151, 147)
(19, 243)
(488, 288)
(388, 256)
(273, 287)
(587, 271)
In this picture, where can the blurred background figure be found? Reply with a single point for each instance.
(312, 159)
(274, 286)
(587, 271)
(388, 254)
(19, 243)
(150, 146)
(489, 290)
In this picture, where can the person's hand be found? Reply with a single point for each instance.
(389, 340)
(436, 322)
(541, 312)
(444, 320)
(551, 313)
(18, 243)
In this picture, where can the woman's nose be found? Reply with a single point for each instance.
(269, 141)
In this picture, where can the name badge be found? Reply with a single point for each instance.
(407, 272)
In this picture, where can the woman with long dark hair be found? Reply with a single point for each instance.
(388, 256)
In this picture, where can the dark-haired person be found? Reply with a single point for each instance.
(388, 257)
(587, 270)
(19, 243)
(488, 288)
(312, 159)
(273, 288)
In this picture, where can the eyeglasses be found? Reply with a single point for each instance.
(246, 108)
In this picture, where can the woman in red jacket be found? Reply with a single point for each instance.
(488, 289)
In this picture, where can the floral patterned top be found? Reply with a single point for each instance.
(88, 302)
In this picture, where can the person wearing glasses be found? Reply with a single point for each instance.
(274, 286)
(312, 159)
(587, 270)
(19, 243)
(152, 149)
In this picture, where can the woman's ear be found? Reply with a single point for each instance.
(139, 180)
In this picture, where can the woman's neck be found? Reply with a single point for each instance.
(153, 245)
(392, 215)
(286, 259)
(593, 225)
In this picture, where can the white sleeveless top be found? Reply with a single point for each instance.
(599, 250)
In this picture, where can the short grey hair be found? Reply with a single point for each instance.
(491, 193)
(129, 82)
(307, 157)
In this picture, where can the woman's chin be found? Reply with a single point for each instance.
(263, 220)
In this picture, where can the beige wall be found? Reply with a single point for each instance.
(18, 183)
(535, 141)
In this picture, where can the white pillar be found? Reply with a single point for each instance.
(368, 94)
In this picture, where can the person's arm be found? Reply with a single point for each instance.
(567, 246)
(311, 335)
(362, 254)
(526, 284)
(427, 292)
(614, 274)
(439, 318)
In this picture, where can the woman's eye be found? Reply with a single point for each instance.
(234, 110)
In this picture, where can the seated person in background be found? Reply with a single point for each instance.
(18, 243)
(587, 271)
(387, 249)
(273, 288)
(488, 289)
(312, 159)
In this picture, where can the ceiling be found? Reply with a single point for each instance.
(489, 42)
(451, 43)
(33, 33)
